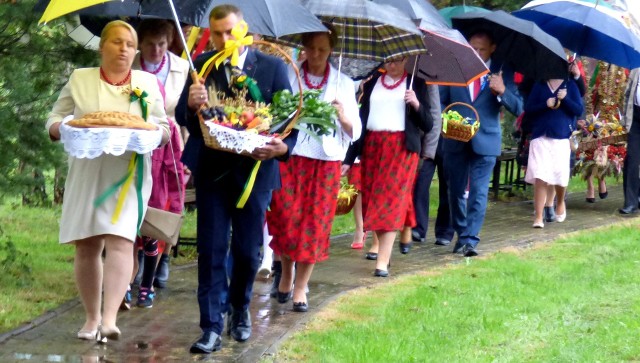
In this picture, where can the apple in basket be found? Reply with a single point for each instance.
(241, 118)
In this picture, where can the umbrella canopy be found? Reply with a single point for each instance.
(451, 11)
(265, 17)
(59, 8)
(449, 60)
(365, 30)
(426, 15)
(592, 30)
(520, 43)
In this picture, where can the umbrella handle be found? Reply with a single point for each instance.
(413, 74)
(184, 42)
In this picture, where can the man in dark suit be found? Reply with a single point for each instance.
(219, 179)
(471, 163)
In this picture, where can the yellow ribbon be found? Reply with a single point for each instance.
(232, 46)
(125, 188)
(193, 37)
(248, 186)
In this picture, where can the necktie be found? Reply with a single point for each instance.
(477, 85)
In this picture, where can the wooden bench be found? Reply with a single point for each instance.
(512, 175)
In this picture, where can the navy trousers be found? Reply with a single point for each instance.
(217, 214)
(468, 214)
(443, 228)
(631, 168)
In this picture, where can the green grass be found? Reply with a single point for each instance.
(574, 300)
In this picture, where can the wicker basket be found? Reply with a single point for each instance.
(609, 140)
(216, 137)
(345, 205)
(457, 131)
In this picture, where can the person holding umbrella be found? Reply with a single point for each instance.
(219, 179)
(392, 112)
(97, 228)
(471, 163)
(302, 211)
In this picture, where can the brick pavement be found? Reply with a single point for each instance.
(165, 332)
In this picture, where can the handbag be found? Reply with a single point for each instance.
(161, 224)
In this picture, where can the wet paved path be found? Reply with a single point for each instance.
(165, 332)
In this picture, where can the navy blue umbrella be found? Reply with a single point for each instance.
(588, 29)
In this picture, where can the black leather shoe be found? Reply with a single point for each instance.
(277, 274)
(415, 236)
(283, 297)
(239, 325)
(590, 200)
(381, 273)
(371, 256)
(208, 342)
(458, 247)
(405, 248)
(603, 195)
(549, 214)
(442, 242)
(300, 307)
(469, 251)
(628, 210)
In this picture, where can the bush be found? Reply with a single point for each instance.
(14, 264)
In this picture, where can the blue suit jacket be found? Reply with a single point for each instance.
(488, 140)
(271, 75)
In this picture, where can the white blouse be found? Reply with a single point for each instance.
(334, 146)
(387, 108)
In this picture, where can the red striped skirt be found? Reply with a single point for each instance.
(302, 210)
(354, 175)
(388, 174)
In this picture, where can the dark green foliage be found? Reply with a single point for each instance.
(14, 265)
(35, 62)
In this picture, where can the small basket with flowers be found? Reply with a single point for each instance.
(347, 196)
(457, 127)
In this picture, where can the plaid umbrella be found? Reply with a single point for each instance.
(366, 30)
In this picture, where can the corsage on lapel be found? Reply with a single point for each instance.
(139, 95)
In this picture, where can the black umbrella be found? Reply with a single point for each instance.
(265, 17)
(521, 44)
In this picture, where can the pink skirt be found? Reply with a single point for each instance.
(549, 161)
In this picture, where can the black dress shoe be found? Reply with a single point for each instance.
(458, 247)
(590, 200)
(628, 210)
(603, 195)
(405, 248)
(442, 242)
(277, 274)
(239, 325)
(469, 251)
(300, 307)
(380, 273)
(283, 297)
(415, 236)
(371, 256)
(208, 342)
(549, 214)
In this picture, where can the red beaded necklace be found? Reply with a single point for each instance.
(124, 81)
(144, 68)
(325, 78)
(394, 85)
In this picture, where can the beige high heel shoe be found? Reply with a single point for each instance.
(110, 333)
(88, 334)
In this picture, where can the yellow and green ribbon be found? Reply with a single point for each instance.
(248, 186)
(135, 168)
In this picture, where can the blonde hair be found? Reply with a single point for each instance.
(118, 24)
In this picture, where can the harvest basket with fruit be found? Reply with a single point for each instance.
(457, 127)
(237, 124)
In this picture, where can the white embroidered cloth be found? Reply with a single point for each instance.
(238, 141)
(90, 143)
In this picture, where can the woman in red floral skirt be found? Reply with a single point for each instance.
(302, 210)
(392, 116)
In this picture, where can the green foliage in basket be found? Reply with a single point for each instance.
(316, 116)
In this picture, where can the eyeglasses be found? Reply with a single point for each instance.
(396, 60)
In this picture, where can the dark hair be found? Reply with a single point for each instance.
(482, 33)
(156, 27)
(332, 35)
(222, 11)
